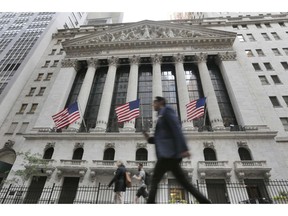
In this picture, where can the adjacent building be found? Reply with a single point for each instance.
(238, 63)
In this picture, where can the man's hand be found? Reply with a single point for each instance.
(186, 154)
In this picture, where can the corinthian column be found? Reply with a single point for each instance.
(157, 82)
(132, 89)
(106, 99)
(182, 91)
(211, 99)
(58, 95)
(85, 91)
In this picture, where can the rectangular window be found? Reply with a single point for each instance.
(53, 52)
(260, 52)
(285, 98)
(250, 37)
(285, 50)
(46, 64)
(33, 108)
(284, 121)
(58, 41)
(265, 36)
(241, 38)
(282, 24)
(244, 26)
(12, 127)
(55, 63)
(249, 53)
(23, 128)
(39, 77)
(268, 66)
(267, 25)
(32, 90)
(276, 36)
(48, 77)
(263, 80)
(285, 65)
(275, 79)
(61, 51)
(274, 101)
(41, 91)
(256, 66)
(22, 109)
(258, 25)
(276, 52)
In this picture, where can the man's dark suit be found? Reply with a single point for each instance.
(170, 143)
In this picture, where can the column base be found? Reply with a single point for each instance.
(127, 130)
(97, 130)
(70, 130)
(189, 128)
(218, 128)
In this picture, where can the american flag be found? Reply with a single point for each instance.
(195, 108)
(128, 111)
(67, 116)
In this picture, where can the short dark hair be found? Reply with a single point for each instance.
(160, 100)
(140, 164)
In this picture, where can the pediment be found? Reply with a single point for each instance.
(147, 31)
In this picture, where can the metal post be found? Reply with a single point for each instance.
(98, 193)
(51, 193)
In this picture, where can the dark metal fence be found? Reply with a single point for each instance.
(270, 192)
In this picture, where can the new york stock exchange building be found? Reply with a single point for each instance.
(239, 149)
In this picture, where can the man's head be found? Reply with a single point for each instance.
(140, 166)
(158, 103)
(119, 163)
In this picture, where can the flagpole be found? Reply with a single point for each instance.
(82, 116)
(142, 122)
(205, 111)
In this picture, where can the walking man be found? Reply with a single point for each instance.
(119, 183)
(142, 191)
(171, 147)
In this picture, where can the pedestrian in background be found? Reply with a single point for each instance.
(119, 183)
(171, 148)
(142, 190)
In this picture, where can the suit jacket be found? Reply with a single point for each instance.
(119, 179)
(168, 137)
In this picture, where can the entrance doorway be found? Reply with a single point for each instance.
(217, 191)
(35, 189)
(256, 190)
(69, 190)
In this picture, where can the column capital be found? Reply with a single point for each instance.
(92, 62)
(66, 63)
(156, 58)
(179, 58)
(134, 59)
(113, 61)
(227, 56)
(201, 57)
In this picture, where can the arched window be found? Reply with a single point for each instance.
(48, 153)
(244, 154)
(141, 154)
(78, 153)
(209, 154)
(109, 154)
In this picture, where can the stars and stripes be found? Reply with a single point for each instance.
(128, 111)
(195, 108)
(67, 116)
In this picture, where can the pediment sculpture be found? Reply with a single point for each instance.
(146, 32)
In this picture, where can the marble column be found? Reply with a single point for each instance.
(85, 92)
(58, 95)
(132, 90)
(241, 99)
(106, 99)
(182, 91)
(157, 82)
(211, 99)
